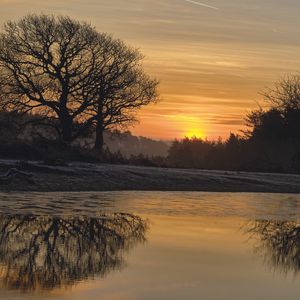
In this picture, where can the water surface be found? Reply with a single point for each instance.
(142, 245)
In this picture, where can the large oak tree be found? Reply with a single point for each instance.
(71, 75)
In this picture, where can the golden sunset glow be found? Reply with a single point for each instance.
(195, 133)
(212, 60)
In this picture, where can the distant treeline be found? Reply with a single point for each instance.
(271, 143)
(237, 153)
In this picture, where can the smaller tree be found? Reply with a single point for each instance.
(282, 119)
(122, 88)
(285, 94)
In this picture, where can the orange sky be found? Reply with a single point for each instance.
(212, 61)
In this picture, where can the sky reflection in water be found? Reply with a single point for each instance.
(148, 252)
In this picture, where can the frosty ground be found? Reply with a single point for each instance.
(107, 177)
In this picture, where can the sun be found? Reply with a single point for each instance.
(195, 133)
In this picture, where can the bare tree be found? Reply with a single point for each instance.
(281, 119)
(285, 94)
(68, 73)
(46, 67)
(121, 89)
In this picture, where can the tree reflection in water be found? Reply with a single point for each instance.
(47, 252)
(278, 242)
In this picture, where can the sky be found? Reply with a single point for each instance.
(213, 58)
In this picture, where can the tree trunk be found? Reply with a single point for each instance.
(66, 128)
(99, 142)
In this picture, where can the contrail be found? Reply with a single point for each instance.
(202, 4)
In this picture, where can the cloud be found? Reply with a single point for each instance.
(202, 4)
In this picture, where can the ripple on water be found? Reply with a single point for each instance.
(246, 205)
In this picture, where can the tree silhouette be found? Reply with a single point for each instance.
(285, 94)
(47, 64)
(281, 120)
(48, 252)
(122, 88)
(278, 242)
(71, 75)
(266, 125)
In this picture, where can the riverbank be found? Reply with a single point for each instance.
(106, 177)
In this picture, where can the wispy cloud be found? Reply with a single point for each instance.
(202, 4)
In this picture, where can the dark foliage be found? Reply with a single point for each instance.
(22, 138)
(258, 154)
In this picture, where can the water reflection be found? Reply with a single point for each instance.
(47, 252)
(278, 242)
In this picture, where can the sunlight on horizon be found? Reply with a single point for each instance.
(195, 133)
